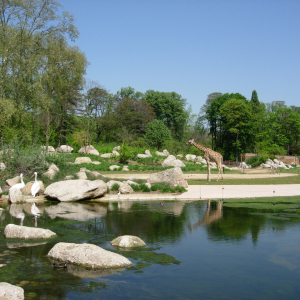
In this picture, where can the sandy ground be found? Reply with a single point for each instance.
(205, 192)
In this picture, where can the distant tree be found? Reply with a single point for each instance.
(169, 108)
(254, 98)
(157, 133)
(134, 115)
(128, 92)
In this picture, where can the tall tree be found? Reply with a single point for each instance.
(169, 108)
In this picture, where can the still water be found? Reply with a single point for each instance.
(195, 250)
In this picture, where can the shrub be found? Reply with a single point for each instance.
(115, 187)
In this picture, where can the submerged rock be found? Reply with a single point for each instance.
(88, 255)
(10, 292)
(128, 241)
(23, 232)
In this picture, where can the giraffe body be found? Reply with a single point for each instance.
(209, 155)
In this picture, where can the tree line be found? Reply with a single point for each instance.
(45, 98)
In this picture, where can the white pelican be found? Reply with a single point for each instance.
(36, 212)
(19, 185)
(36, 186)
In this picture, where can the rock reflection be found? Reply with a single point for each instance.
(89, 273)
(209, 216)
(175, 209)
(76, 211)
(23, 244)
(124, 205)
(16, 210)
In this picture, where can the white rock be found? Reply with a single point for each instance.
(69, 177)
(131, 182)
(52, 171)
(160, 153)
(190, 157)
(2, 166)
(111, 183)
(96, 162)
(88, 150)
(166, 152)
(115, 153)
(74, 190)
(87, 255)
(117, 148)
(95, 173)
(48, 149)
(64, 149)
(83, 160)
(171, 161)
(10, 292)
(106, 155)
(81, 175)
(173, 176)
(13, 181)
(125, 188)
(125, 168)
(113, 167)
(23, 232)
(127, 241)
(15, 195)
(148, 153)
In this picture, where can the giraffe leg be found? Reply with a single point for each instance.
(208, 171)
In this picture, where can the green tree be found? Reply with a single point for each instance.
(157, 133)
(169, 108)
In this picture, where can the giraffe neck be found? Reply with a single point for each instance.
(200, 147)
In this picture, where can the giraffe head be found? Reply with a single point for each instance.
(190, 142)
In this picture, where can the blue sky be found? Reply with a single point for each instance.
(192, 47)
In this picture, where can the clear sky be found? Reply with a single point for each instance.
(192, 47)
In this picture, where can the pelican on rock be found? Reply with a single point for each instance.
(36, 186)
(19, 185)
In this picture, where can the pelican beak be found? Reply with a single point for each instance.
(31, 175)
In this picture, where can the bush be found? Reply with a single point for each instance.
(256, 160)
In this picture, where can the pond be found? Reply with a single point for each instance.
(195, 250)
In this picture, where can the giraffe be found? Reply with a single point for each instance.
(209, 155)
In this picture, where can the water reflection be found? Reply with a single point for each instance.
(210, 216)
(16, 211)
(76, 211)
(221, 246)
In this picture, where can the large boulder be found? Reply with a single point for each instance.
(10, 292)
(64, 149)
(22, 232)
(173, 176)
(127, 241)
(171, 161)
(87, 255)
(83, 160)
(15, 195)
(74, 190)
(88, 150)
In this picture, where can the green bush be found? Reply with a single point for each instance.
(115, 187)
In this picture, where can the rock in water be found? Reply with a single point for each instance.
(10, 292)
(22, 232)
(88, 255)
